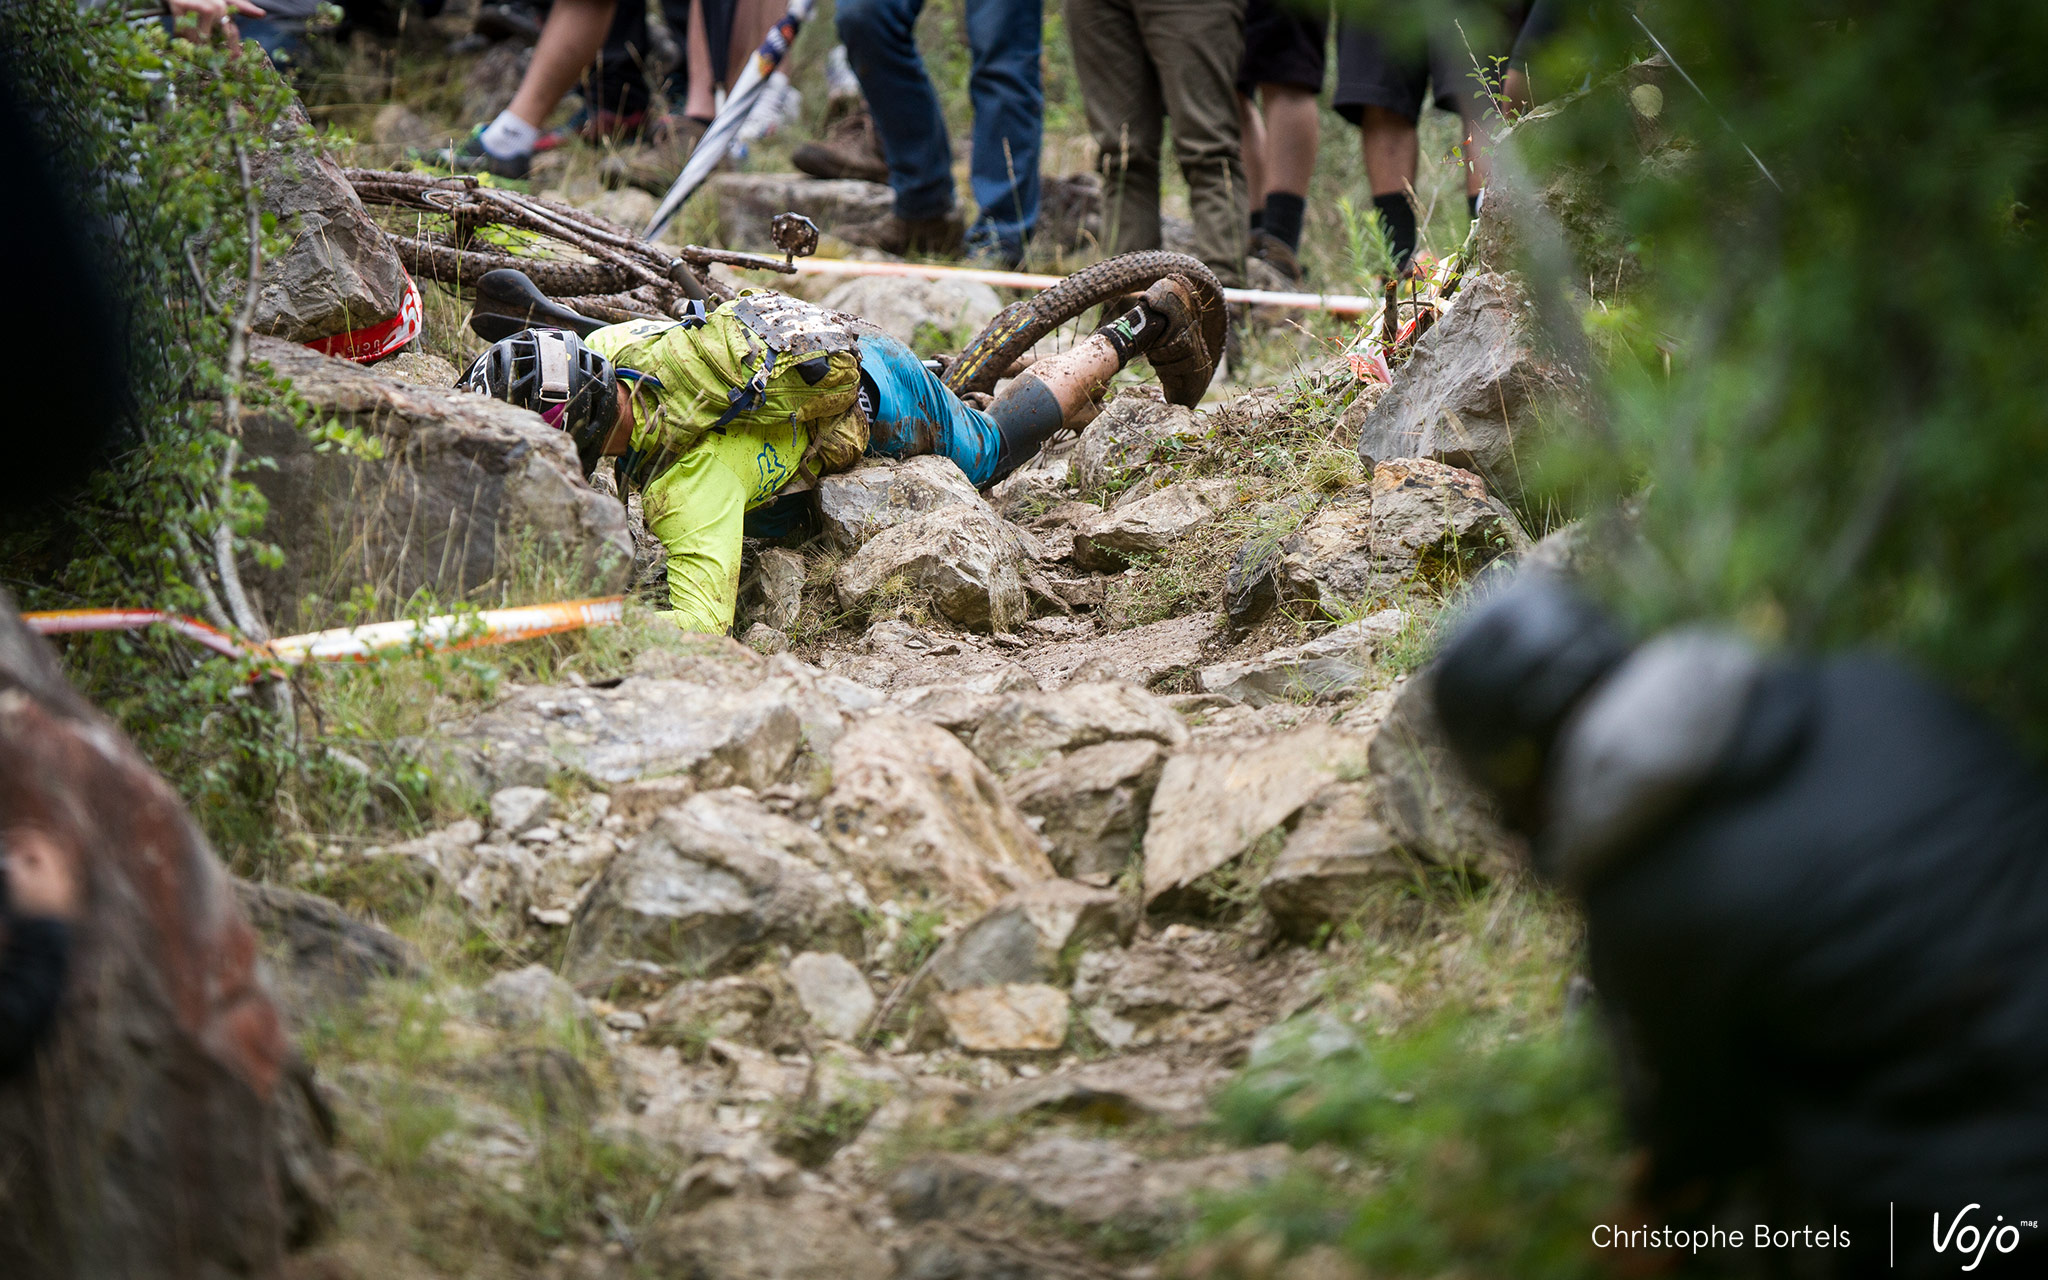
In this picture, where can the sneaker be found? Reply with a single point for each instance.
(850, 150)
(1273, 251)
(469, 156)
(653, 165)
(938, 237)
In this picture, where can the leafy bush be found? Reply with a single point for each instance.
(1453, 1151)
(1832, 375)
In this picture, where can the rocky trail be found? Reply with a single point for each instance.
(917, 932)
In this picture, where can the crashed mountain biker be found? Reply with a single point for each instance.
(714, 417)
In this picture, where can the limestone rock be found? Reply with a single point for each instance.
(738, 1007)
(755, 1237)
(858, 504)
(339, 273)
(628, 207)
(644, 728)
(747, 202)
(1142, 655)
(912, 811)
(321, 956)
(1024, 938)
(1436, 522)
(773, 594)
(833, 992)
(518, 810)
(1012, 1018)
(1471, 394)
(1327, 567)
(1091, 804)
(966, 558)
(713, 881)
(169, 1123)
(465, 487)
(1212, 805)
(942, 313)
(1334, 859)
(1028, 728)
(764, 639)
(1127, 437)
(534, 998)
(1151, 524)
(422, 367)
(1080, 1182)
(1430, 805)
(1334, 662)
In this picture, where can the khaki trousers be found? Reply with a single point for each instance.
(1140, 63)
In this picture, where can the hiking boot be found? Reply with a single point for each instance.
(1179, 354)
(1273, 251)
(653, 166)
(469, 156)
(939, 237)
(850, 150)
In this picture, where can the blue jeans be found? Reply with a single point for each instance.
(1005, 39)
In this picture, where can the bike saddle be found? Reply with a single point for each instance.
(507, 302)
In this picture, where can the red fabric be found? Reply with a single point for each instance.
(376, 341)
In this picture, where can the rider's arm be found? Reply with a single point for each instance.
(698, 509)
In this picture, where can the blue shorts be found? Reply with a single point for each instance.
(914, 413)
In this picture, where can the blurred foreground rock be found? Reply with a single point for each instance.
(164, 1130)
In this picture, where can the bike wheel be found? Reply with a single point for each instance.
(1021, 325)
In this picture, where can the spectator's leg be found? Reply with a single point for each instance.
(1197, 46)
(1251, 127)
(618, 84)
(1391, 151)
(1292, 128)
(1126, 112)
(568, 44)
(1381, 86)
(1006, 39)
(749, 24)
(881, 41)
(699, 103)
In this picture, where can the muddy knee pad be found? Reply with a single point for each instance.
(1026, 415)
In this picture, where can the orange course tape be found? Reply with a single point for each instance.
(442, 632)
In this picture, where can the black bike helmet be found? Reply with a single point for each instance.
(551, 372)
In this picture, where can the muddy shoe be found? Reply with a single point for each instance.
(940, 237)
(653, 166)
(1273, 251)
(1179, 355)
(850, 150)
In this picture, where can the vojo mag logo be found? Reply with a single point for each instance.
(1969, 1239)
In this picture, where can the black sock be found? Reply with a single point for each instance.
(1130, 333)
(1284, 212)
(1258, 219)
(1398, 217)
(1472, 202)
